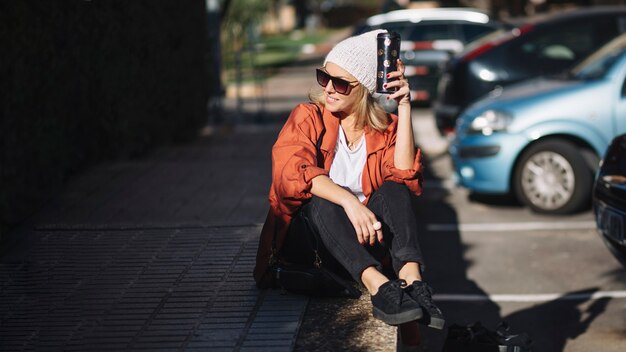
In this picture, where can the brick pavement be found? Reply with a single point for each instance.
(112, 289)
(156, 253)
(150, 254)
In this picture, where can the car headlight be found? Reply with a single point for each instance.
(489, 121)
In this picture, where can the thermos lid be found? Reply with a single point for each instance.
(388, 35)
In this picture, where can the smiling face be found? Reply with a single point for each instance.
(336, 102)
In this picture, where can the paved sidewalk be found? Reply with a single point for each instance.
(156, 253)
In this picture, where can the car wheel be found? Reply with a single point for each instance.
(552, 177)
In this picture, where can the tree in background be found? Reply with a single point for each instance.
(239, 21)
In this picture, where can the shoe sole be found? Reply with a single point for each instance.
(398, 318)
(435, 323)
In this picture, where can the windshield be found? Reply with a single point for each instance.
(599, 63)
(493, 36)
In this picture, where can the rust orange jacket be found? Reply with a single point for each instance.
(294, 165)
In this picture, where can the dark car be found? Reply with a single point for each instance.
(544, 46)
(429, 38)
(609, 198)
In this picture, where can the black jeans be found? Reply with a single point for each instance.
(339, 248)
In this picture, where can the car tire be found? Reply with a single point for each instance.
(552, 177)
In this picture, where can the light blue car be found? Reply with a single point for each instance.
(542, 139)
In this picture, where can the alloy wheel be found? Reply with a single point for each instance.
(548, 180)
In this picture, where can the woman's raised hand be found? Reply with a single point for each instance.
(399, 81)
(363, 221)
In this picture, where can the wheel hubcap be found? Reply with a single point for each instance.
(548, 180)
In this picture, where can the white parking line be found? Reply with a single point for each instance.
(451, 297)
(513, 226)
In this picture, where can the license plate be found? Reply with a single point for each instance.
(611, 224)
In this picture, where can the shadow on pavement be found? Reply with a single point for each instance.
(549, 324)
(446, 266)
(553, 323)
(498, 200)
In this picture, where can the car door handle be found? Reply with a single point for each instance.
(617, 181)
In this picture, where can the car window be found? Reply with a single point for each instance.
(599, 68)
(426, 32)
(554, 50)
(600, 62)
(472, 31)
(621, 24)
(490, 37)
(566, 44)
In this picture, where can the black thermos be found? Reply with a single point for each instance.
(388, 51)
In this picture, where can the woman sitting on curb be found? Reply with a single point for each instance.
(359, 202)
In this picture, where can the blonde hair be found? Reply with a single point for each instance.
(366, 109)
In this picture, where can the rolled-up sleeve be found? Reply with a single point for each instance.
(294, 160)
(411, 177)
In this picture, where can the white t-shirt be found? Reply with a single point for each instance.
(347, 167)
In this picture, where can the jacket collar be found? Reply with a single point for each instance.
(331, 124)
(374, 139)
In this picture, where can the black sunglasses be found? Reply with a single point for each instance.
(341, 85)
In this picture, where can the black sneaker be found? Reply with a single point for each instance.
(421, 293)
(393, 306)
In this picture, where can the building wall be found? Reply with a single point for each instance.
(84, 81)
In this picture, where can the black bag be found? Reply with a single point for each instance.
(477, 338)
(314, 279)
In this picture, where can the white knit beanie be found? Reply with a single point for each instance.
(357, 55)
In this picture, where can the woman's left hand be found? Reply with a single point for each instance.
(402, 94)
